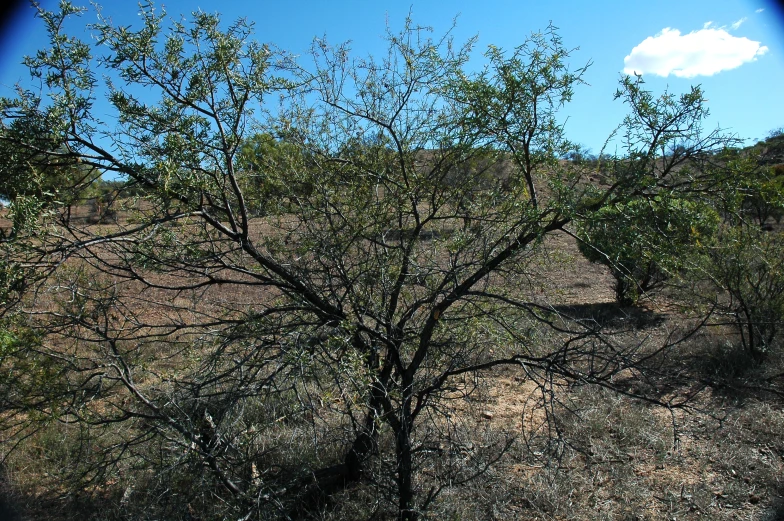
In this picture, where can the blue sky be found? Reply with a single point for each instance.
(733, 48)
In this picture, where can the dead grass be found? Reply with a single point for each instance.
(721, 458)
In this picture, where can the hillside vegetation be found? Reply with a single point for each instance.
(397, 291)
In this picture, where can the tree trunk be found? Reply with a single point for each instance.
(362, 447)
(405, 468)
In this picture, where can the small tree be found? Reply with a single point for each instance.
(740, 271)
(272, 352)
(744, 269)
(646, 241)
(765, 199)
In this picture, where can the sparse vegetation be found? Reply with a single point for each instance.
(368, 303)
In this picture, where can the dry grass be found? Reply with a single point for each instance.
(618, 459)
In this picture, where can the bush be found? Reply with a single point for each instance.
(765, 197)
(746, 268)
(644, 241)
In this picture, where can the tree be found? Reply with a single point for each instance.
(663, 191)
(317, 346)
(30, 180)
(744, 266)
(761, 191)
(645, 241)
(737, 272)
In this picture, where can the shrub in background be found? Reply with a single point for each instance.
(746, 268)
(645, 240)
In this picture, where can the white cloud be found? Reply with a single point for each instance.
(735, 25)
(706, 25)
(759, 10)
(699, 53)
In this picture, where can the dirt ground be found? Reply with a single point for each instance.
(720, 457)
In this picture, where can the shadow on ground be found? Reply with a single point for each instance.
(9, 510)
(776, 511)
(611, 314)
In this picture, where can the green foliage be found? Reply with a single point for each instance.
(765, 198)
(746, 268)
(39, 163)
(746, 189)
(355, 255)
(34, 182)
(660, 205)
(645, 241)
(270, 169)
(29, 380)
